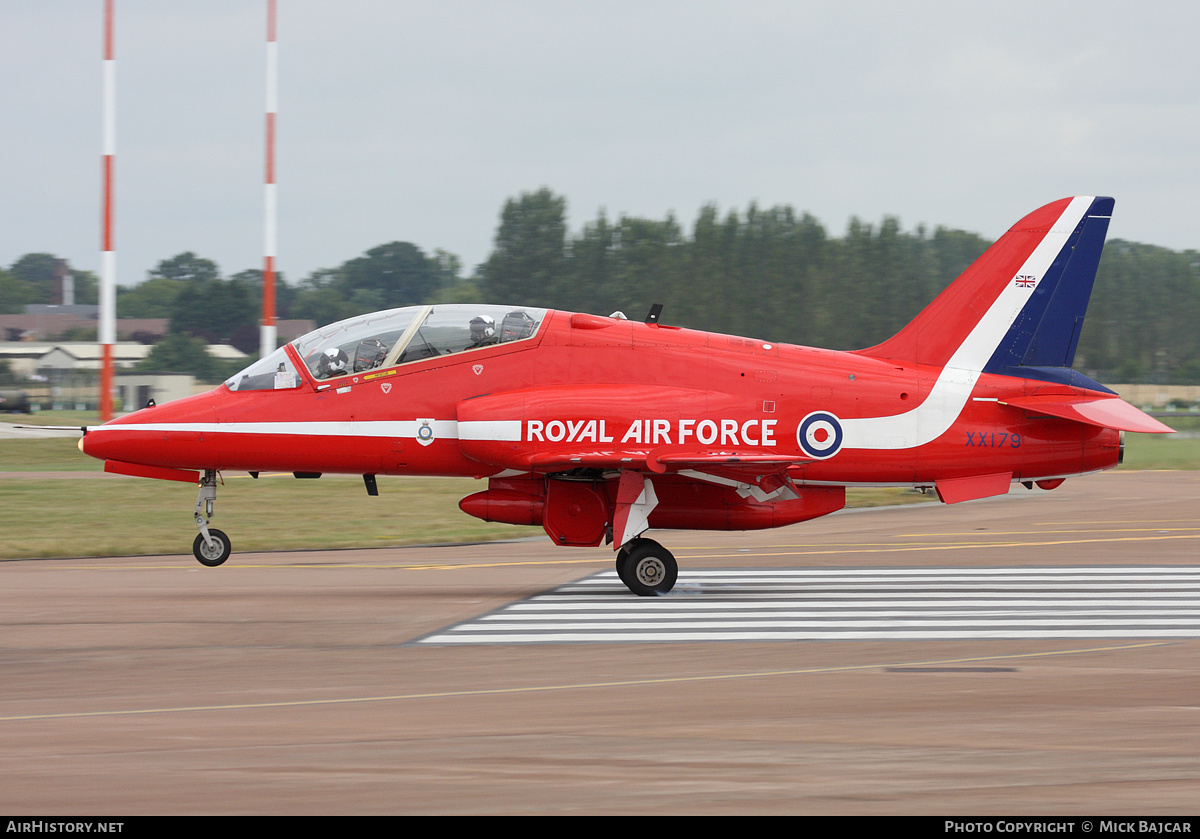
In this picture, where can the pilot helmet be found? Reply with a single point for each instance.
(333, 362)
(482, 328)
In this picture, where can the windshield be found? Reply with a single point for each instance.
(275, 372)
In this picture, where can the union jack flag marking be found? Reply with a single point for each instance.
(1025, 280)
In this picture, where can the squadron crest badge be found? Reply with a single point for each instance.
(425, 431)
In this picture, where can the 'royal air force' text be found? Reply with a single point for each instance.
(655, 432)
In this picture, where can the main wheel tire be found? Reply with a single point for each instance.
(650, 569)
(213, 555)
(623, 565)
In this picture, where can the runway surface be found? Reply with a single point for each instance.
(948, 672)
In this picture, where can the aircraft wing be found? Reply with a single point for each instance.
(663, 461)
(1103, 411)
(757, 474)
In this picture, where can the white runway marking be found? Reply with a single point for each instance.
(830, 604)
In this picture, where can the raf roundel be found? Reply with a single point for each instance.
(820, 435)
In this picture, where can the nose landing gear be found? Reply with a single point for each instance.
(212, 547)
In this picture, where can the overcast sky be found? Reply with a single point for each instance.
(415, 121)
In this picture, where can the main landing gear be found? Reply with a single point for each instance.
(646, 567)
(212, 546)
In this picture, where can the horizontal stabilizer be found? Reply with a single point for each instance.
(1105, 412)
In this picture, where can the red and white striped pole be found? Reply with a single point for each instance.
(107, 333)
(267, 332)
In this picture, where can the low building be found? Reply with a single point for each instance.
(33, 359)
(66, 374)
(135, 390)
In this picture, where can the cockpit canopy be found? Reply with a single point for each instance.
(390, 338)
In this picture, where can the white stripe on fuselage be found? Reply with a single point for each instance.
(941, 409)
(442, 429)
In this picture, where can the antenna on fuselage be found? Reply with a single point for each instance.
(655, 311)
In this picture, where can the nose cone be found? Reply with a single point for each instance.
(173, 434)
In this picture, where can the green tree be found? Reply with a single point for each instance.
(36, 277)
(320, 298)
(708, 271)
(1143, 313)
(186, 267)
(218, 311)
(285, 294)
(528, 255)
(449, 267)
(189, 290)
(399, 272)
(87, 287)
(588, 266)
(15, 294)
(154, 298)
(643, 261)
(37, 271)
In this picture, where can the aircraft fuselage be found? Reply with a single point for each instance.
(588, 385)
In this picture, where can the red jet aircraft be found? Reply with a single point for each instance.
(598, 428)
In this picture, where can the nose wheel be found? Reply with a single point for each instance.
(211, 547)
(647, 568)
(213, 552)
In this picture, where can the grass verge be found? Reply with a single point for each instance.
(120, 516)
(123, 516)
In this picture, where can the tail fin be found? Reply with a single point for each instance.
(1018, 309)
